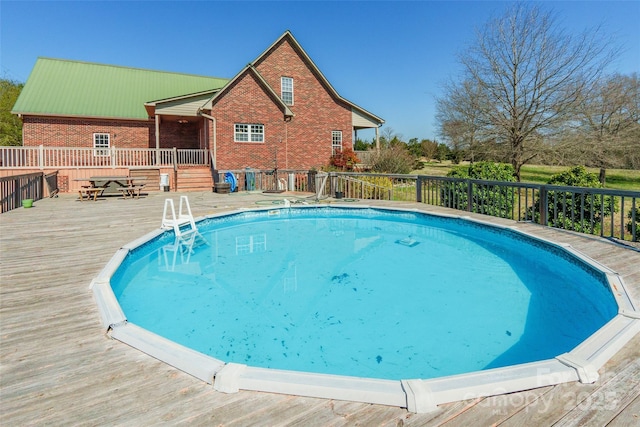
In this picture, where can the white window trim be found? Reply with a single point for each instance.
(282, 91)
(251, 133)
(335, 147)
(101, 150)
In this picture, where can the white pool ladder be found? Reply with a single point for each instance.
(183, 225)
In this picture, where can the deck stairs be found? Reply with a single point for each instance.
(183, 225)
(194, 178)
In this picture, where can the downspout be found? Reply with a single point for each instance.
(286, 145)
(215, 135)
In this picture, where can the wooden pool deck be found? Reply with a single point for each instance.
(57, 367)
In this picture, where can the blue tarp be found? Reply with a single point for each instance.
(231, 179)
(250, 179)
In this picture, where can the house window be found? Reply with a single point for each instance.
(336, 141)
(286, 84)
(101, 144)
(246, 132)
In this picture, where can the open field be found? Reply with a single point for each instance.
(621, 179)
(58, 367)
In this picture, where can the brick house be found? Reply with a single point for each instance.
(279, 111)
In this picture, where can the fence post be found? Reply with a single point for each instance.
(470, 196)
(332, 183)
(544, 205)
(175, 168)
(41, 156)
(16, 193)
(114, 159)
(311, 181)
(418, 189)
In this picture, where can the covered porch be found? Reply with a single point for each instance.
(180, 123)
(185, 122)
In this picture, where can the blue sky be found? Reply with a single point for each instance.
(390, 58)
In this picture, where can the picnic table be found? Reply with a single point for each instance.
(98, 184)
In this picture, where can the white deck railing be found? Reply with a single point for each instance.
(42, 157)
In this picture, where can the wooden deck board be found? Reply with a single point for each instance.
(57, 367)
(628, 416)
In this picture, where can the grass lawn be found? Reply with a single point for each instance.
(620, 179)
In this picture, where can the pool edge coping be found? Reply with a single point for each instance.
(417, 395)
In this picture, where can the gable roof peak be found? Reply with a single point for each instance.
(306, 58)
(253, 71)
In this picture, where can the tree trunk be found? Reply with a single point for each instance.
(516, 171)
(603, 176)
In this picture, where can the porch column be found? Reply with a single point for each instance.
(377, 140)
(157, 139)
(157, 132)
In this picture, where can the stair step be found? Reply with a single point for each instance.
(195, 179)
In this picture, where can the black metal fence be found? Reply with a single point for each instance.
(603, 212)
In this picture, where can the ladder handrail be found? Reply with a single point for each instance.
(184, 217)
(187, 215)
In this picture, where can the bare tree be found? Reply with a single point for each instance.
(530, 73)
(609, 119)
(458, 117)
(389, 136)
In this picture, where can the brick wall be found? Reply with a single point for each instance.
(71, 132)
(301, 143)
(247, 102)
(179, 135)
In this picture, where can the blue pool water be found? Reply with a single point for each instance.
(363, 292)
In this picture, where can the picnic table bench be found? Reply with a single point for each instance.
(90, 193)
(98, 185)
(131, 191)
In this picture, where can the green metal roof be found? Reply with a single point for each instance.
(71, 88)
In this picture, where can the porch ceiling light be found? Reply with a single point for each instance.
(183, 121)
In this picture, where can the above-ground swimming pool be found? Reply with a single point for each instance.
(381, 295)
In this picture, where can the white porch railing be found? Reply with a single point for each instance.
(42, 157)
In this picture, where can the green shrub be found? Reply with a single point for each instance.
(569, 210)
(487, 199)
(394, 159)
